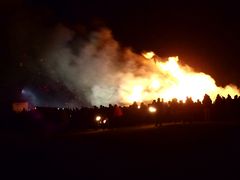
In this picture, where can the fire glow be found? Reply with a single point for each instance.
(103, 72)
(169, 79)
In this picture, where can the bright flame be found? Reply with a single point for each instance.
(136, 93)
(170, 80)
(152, 109)
(155, 84)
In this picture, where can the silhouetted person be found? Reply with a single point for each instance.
(134, 105)
(117, 115)
(207, 102)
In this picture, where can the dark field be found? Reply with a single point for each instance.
(195, 151)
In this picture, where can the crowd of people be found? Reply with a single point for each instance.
(113, 116)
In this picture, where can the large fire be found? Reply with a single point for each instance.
(169, 79)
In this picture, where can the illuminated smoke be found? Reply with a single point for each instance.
(91, 74)
(101, 72)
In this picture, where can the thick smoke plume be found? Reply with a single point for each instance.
(68, 66)
(95, 72)
(99, 72)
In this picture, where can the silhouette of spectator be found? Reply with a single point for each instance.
(207, 102)
(55, 119)
(218, 100)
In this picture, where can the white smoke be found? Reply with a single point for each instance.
(95, 72)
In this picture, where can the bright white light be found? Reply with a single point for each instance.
(104, 121)
(98, 118)
(152, 109)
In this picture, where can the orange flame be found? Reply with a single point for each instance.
(170, 80)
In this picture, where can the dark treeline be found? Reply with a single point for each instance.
(45, 119)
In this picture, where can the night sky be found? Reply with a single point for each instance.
(204, 35)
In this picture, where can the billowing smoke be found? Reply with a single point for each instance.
(71, 66)
(95, 71)
(98, 72)
(66, 67)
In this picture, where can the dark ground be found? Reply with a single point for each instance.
(195, 151)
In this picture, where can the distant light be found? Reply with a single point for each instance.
(35, 108)
(152, 109)
(62, 108)
(28, 95)
(98, 118)
(23, 91)
(58, 108)
(104, 121)
(139, 106)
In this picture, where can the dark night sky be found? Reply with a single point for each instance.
(204, 35)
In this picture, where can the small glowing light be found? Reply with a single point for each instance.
(104, 121)
(152, 109)
(58, 108)
(139, 106)
(35, 108)
(98, 118)
(62, 108)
